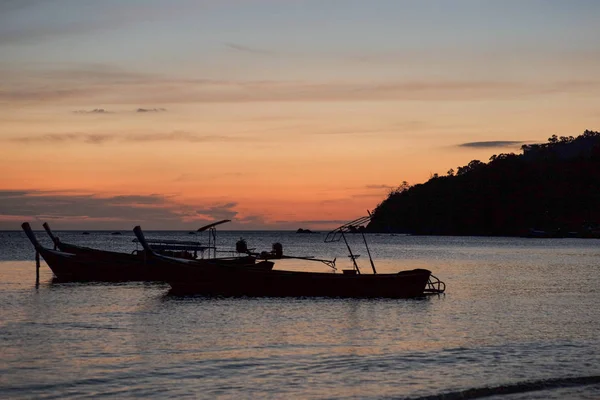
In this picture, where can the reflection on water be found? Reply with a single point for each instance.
(516, 311)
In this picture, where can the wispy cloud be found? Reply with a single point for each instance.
(221, 211)
(115, 86)
(104, 111)
(100, 17)
(74, 209)
(92, 138)
(94, 111)
(378, 187)
(66, 205)
(492, 144)
(204, 176)
(31, 35)
(177, 136)
(59, 138)
(150, 110)
(8, 6)
(318, 221)
(249, 49)
(160, 211)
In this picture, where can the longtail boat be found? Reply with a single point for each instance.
(182, 248)
(174, 248)
(186, 279)
(97, 254)
(77, 263)
(91, 266)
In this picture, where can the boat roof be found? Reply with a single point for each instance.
(350, 227)
(170, 241)
(212, 225)
(179, 247)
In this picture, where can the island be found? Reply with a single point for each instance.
(300, 230)
(550, 190)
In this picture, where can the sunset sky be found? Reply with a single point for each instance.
(277, 114)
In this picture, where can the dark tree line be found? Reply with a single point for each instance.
(554, 187)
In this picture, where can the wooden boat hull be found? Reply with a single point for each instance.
(88, 267)
(102, 255)
(110, 266)
(80, 268)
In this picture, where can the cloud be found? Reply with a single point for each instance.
(60, 138)
(152, 199)
(248, 49)
(90, 19)
(35, 203)
(205, 176)
(156, 211)
(8, 6)
(350, 131)
(104, 111)
(150, 110)
(492, 144)
(377, 187)
(94, 111)
(318, 221)
(73, 209)
(222, 211)
(79, 83)
(100, 138)
(176, 136)
(31, 35)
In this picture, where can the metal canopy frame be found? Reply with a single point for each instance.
(212, 235)
(356, 226)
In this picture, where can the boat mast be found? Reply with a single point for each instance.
(352, 256)
(367, 246)
(369, 252)
(212, 240)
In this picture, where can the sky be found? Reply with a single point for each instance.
(275, 114)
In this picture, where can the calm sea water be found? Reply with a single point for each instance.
(520, 320)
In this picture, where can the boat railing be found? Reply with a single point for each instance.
(434, 286)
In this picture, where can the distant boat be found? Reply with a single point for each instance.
(85, 233)
(116, 233)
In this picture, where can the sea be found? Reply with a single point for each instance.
(520, 319)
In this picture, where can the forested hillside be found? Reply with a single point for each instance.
(552, 187)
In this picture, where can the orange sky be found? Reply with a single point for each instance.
(273, 136)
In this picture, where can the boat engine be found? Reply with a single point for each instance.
(241, 246)
(277, 249)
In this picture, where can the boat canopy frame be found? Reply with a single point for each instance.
(356, 226)
(212, 235)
